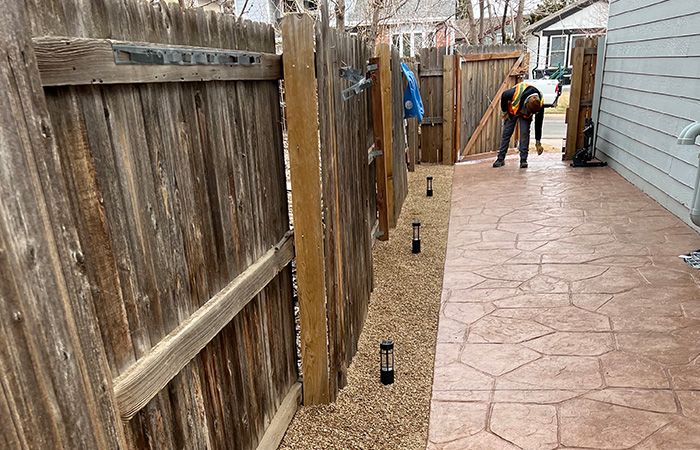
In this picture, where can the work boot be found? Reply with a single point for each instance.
(499, 163)
(523, 164)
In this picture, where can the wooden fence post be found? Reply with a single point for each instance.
(412, 132)
(572, 114)
(583, 70)
(380, 144)
(458, 108)
(448, 105)
(305, 159)
(384, 53)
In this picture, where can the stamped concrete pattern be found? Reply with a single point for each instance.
(567, 319)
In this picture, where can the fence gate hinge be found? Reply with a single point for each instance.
(361, 81)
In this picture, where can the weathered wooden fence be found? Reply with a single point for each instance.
(461, 94)
(346, 136)
(145, 236)
(431, 88)
(584, 60)
(486, 72)
(178, 195)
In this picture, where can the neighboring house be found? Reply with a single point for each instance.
(409, 25)
(647, 92)
(493, 31)
(550, 41)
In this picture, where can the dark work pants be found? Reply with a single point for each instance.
(524, 142)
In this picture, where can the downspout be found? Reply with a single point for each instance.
(687, 137)
(537, 64)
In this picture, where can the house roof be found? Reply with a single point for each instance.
(559, 15)
(358, 12)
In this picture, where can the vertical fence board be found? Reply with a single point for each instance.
(448, 93)
(378, 77)
(384, 52)
(56, 385)
(432, 94)
(412, 125)
(399, 167)
(304, 156)
(458, 109)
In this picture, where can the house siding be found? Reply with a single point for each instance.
(650, 92)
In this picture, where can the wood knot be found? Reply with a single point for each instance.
(45, 129)
(31, 255)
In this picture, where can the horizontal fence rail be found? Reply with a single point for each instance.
(66, 61)
(141, 382)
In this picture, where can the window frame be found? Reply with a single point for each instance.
(406, 38)
(564, 51)
(415, 48)
(571, 44)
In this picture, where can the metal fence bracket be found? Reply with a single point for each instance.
(150, 55)
(360, 80)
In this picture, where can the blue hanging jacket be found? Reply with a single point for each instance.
(412, 102)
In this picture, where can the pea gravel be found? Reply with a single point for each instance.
(404, 307)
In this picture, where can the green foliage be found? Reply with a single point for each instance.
(547, 7)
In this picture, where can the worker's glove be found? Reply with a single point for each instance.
(504, 115)
(539, 148)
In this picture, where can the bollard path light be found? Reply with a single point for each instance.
(386, 366)
(416, 236)
(429, 190)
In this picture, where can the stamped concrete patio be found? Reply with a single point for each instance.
(568, 320)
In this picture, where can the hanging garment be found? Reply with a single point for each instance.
(412, 102)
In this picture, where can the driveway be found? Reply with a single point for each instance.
(567, 318)
(553, 130)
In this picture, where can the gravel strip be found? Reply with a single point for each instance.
(404, 307)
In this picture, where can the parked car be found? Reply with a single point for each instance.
(550, 89)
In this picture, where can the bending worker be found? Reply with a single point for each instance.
(519, 104)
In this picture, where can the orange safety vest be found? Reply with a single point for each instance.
(518, 97)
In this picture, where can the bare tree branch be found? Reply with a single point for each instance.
(245, 5)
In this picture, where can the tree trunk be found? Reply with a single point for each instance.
(467, 11)
(374, 24)
(340, 14)
(492, 15)
(481, 21)
(503, 23)
(519, 22)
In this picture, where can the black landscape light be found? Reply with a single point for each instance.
(386, 367)
(416, 236)
(429, 190)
